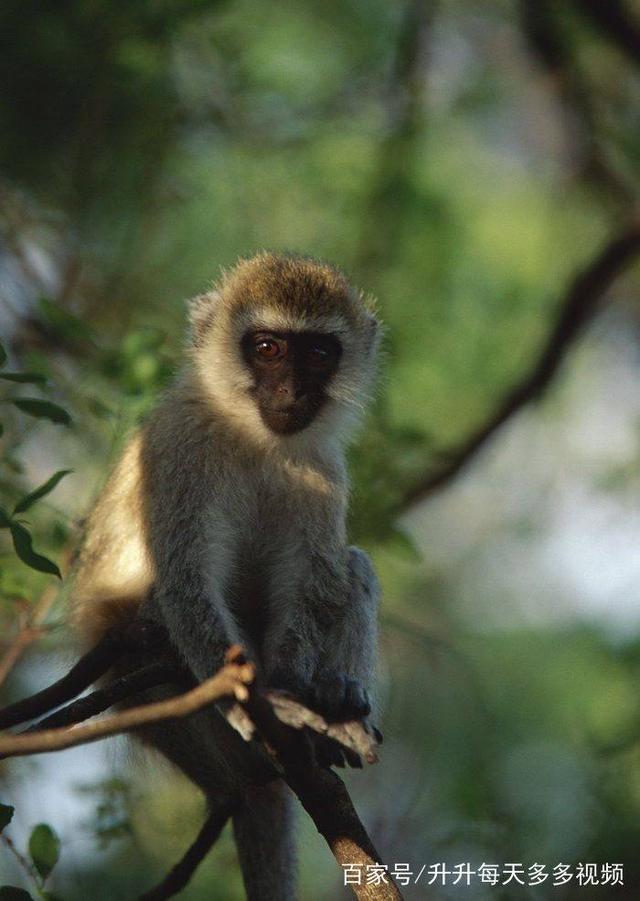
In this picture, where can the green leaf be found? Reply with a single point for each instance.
(23, 544)
(3, 355)
(31, 378)
(42, 409)
(6, 815)
(64, 323)
(1, 430)
(5, 519)
(44, 848)
(43, 490)
(11, 893)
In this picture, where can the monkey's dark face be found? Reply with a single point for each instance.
(291, 371)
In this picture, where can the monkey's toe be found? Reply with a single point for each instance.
(339, 697)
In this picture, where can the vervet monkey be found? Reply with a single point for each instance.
(225, 521)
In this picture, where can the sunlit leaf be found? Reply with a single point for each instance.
(27, 378)
(23, 544)
(44, 848)
(6, 815)
(42, 409)
(42, 491)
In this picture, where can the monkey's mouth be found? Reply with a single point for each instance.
(287, 420)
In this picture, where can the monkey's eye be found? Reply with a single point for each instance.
(318, 356)
(268, 348)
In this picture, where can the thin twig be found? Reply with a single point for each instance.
(230, 681)
(155, 674)
(29, 632)
(577, 309)
(24, 864)
(91, 666)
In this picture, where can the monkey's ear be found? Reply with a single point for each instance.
(201, 310)
(374, 331)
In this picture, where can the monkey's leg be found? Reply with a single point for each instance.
(325, 650)
(264, 831)
(350, 641)
(212, 754)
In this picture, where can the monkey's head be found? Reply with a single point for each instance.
(283, 343)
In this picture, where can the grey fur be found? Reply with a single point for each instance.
(226, 532)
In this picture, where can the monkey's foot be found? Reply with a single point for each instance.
(338, 697)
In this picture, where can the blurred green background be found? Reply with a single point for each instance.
(461, 161)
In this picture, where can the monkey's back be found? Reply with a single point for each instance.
(114, 571)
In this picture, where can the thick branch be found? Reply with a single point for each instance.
(579, 306)
(324, 796)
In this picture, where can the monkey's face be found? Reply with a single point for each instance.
(291, 372)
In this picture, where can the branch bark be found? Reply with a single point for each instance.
(576, 310)
(325, 798)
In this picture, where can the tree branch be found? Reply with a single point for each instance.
(615, 22)
(230, 681)
(120, 689)
(90, 667)
(577, 309)
(323, 795)
(29, 631)
(282, 724)
(549, 44)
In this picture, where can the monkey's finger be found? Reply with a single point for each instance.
(328, 752)
(354, 760)
(238, 717)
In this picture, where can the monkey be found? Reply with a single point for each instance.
(225, 520)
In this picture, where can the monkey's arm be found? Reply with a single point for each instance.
(190, 550)
(350, 642)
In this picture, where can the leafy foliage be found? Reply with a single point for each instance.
(44, 848)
